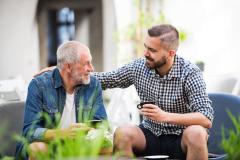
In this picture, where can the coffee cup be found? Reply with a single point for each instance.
(140, 105)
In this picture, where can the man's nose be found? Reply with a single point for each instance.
(146, 53)
(91, 68)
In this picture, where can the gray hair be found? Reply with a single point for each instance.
(68, 52)
(167, 34)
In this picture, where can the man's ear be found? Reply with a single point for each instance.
(172, 53)
(68, 67)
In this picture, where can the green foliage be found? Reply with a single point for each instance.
(182, 35)
(7, 158)
(3, 127)
(231, 139)
(83, 145)
(199, 62)
(200, 65)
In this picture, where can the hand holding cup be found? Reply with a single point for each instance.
(140, 105)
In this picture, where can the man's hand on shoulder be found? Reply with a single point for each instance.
(45, 70)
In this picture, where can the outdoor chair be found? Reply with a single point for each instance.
(221, 102)
(11, 123)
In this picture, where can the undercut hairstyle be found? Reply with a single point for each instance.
(168, 35)
(68, 52)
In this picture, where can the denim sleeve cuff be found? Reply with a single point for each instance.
(39, 134)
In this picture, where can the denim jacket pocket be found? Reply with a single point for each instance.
(87, 113)
(50, 111)
(50, 117)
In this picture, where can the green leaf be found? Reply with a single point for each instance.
(231, 138)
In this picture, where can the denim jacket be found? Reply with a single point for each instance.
(47, 95)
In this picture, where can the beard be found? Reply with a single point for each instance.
(79, 78)
(150, 63)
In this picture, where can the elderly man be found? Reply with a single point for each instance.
(176, 121)
(68, 90)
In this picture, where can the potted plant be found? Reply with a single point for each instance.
(94, 143)
(200, 65)
(231, 139)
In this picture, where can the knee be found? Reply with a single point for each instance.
(195, 135)
(122, 133)
(37, 147)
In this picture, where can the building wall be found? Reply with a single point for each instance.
(212, 28)
(109, 28)
(18, 39)
(213, 32)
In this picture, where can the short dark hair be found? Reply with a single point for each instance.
(167, 34)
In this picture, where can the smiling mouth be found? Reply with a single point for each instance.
(149, 59)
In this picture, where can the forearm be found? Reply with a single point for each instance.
(119, 78)
(187, 119)
(110, 80)
(199, 102)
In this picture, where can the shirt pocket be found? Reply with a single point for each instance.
(49, 111)
(49, 116)
(86, 113)
(178, 103)
(145, 96)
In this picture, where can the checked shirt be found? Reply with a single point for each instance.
(182, 90)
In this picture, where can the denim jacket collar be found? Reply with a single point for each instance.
(57, 79)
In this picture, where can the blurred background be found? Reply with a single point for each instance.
(31, 31)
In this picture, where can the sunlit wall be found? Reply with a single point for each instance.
(213, 32)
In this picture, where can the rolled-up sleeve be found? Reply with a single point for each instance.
(119, 78)
(199, 101)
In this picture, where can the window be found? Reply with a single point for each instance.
(63, 20)
(61, 28)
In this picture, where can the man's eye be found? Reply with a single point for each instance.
(152, 50)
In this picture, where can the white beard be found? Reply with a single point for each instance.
(80, 79)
